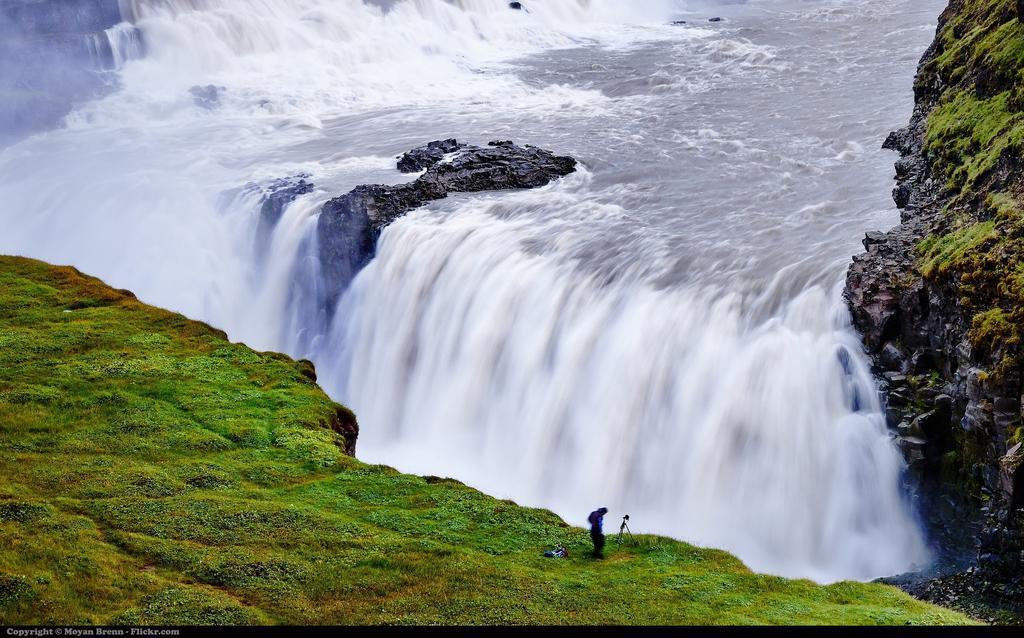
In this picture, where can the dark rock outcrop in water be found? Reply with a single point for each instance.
(423, 157)
(939, 307)
(52, 54)
(348, 226)
(275, 198)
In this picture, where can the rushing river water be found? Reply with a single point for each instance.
(661, 332)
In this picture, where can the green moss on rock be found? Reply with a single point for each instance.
(974, 140)
(941, 253)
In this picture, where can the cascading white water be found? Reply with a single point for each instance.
(660, 333)
(527, 377)
(125, 44)
(114, 47)
(334, 54)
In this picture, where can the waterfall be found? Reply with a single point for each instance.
(660, 333)
(536, 379)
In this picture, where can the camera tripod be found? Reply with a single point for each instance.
(624, 529)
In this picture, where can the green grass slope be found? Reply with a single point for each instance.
(152, 472)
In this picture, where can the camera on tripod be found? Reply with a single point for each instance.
(624, 528)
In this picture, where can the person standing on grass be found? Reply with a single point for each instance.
(596, 520)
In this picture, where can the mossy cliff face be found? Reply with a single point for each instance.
(940, 298)
(151, 472)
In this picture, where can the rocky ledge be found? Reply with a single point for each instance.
(930, 301)
(349, 225)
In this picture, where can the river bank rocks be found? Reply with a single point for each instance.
(348, 226)
(953, 409)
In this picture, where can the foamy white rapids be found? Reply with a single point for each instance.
(661, 333)
(310, 59)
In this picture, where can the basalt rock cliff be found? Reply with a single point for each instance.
(939, 299)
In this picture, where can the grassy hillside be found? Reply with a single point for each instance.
(153, 472)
